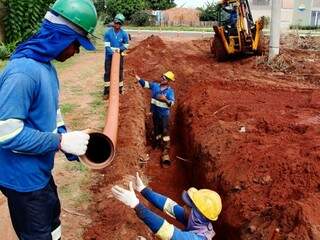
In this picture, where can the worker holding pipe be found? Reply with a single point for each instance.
(31, 125)
(202, 208)
(162, 99)
(115, 40)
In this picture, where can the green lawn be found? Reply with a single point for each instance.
(170, 28)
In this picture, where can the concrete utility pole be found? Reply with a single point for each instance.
(275, 29)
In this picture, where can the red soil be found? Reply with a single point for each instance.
(252, 135)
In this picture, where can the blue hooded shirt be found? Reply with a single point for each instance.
(29, 107)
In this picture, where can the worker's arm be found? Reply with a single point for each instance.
(125, 43)
(144, 83)
(161, 227)
(16, 93)
(107, 43)
(165, 204)
(168, 98)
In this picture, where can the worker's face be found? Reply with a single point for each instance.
(70, 51)
(164, 81)
(117, 26)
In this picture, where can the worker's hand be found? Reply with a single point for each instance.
(128, 197)
(115, 49)
(162, 98)
(75, 143)
(138, 78)
(139, 184)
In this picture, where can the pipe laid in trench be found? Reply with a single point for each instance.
(102, 146)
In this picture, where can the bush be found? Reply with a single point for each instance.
(210, 12)
(142, 18)
(6, 50)
(126, 7)
(304, 27)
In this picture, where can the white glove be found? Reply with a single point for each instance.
(75, 143)
(115, 49)
(139, 184)
(128, 197)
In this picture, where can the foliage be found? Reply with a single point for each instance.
(210, 12)
(23, 18)
(142, 18)
(6, 50)
(160, 4)
(100, 7)
(126, 7)
(300, 27)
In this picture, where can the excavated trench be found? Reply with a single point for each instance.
(237, 128)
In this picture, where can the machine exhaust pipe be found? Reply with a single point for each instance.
(102, 146)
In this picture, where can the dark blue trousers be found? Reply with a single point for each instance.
(35, 215)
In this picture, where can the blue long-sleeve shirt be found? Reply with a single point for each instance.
(113, 39)
(158, 107)
(157, 224)
(29, 121)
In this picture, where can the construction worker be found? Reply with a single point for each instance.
(162, 99)
(233, 15)
(115, 40)
(202, 208)
(31, 126)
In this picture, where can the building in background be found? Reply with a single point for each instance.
(307, 13)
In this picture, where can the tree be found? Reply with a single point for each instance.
(23, 18)
(126, 7)
(160, 4)
(209, 12)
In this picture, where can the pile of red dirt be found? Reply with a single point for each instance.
(252, 135)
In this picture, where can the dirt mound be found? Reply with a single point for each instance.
(250, 133)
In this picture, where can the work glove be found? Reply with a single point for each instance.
(128, 197)
(115, 49)
(75, 143)
(139, 186)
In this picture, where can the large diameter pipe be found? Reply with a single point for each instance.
(274, 47)
(102, 146)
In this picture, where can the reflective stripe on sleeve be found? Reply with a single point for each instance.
(146, 84)
(56, 234)
(168, 207)
(10, 128)
(121, 84)
(159, 103)
(166, 231)
(107, 44)
(107, 84)
(126, 46)
(60, 121)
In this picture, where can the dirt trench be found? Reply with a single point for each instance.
(250, 133)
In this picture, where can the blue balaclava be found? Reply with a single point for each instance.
(54, 36)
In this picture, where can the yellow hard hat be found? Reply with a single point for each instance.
(169, 75)
(208, 202)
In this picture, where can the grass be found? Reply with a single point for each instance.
(68, 108)
(3, 63)
(170, 28)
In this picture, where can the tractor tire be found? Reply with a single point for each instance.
(219, 50)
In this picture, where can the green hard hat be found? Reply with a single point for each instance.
(82, 13)
(119, 18)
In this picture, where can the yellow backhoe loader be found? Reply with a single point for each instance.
(235, 32)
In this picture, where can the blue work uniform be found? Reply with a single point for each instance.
(112, 40)
(160, 110)
(160, 226)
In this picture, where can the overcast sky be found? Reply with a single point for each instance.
(191, 3)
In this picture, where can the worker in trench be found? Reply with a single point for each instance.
(162, 99)
(202, 208)
(115, 40)
(31, 125)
